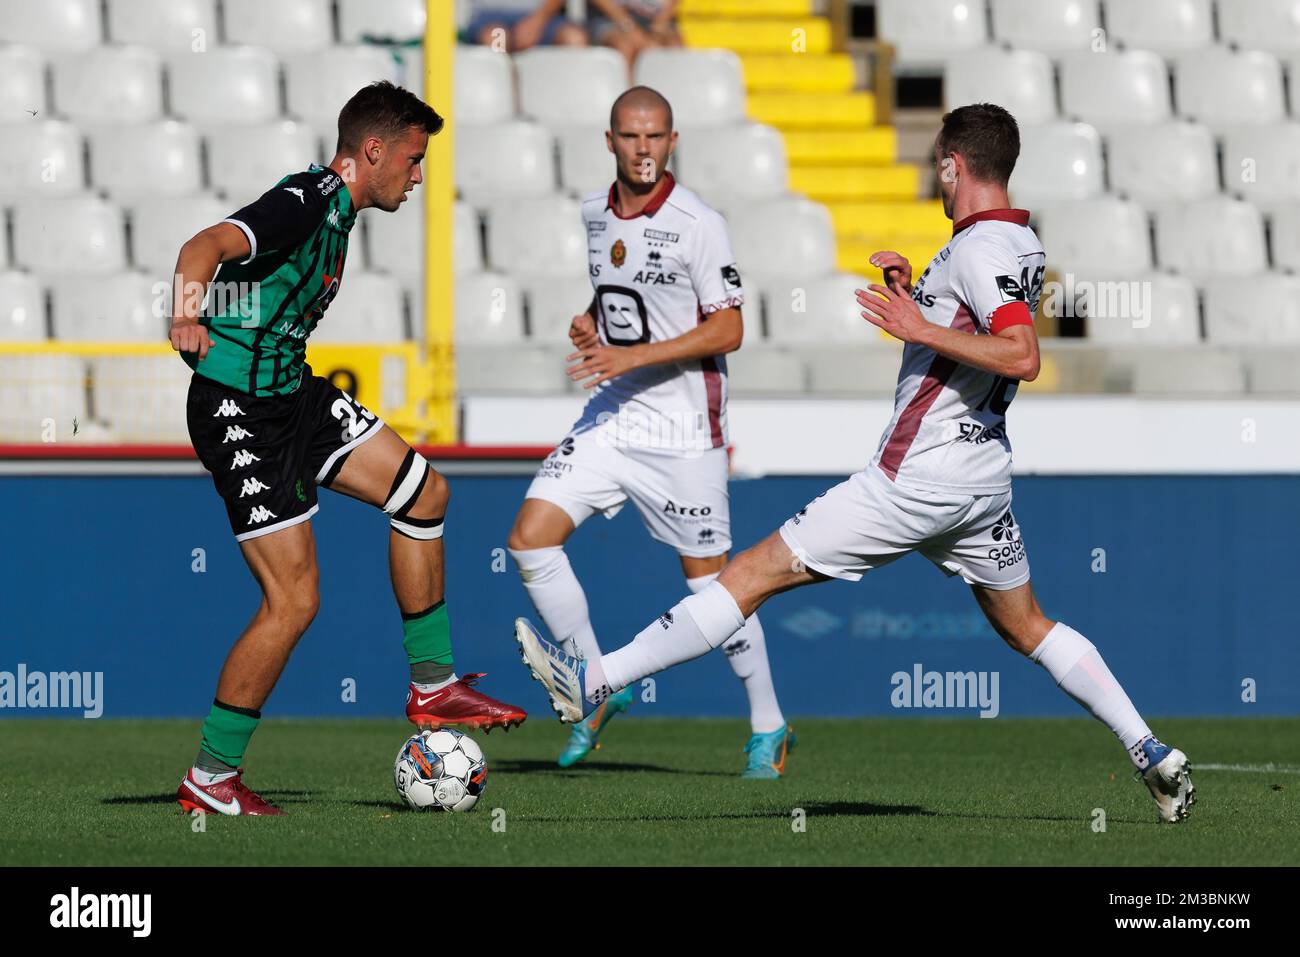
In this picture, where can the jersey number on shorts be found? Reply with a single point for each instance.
(342, 409)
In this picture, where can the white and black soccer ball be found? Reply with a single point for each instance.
(441, 770)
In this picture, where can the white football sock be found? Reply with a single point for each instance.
(1077, 667)
(451, 679)
(551, 584)
(206, 778)
(747, 654)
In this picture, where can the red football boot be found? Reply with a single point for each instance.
(459, 703)
(225, 797)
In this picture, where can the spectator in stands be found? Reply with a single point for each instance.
(521, 24)
(630, 26)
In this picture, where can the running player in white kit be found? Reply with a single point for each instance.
(940, 482)
(651, 347)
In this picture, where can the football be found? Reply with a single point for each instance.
(441, 770)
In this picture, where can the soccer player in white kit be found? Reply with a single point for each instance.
(940, 481)
(666, 308)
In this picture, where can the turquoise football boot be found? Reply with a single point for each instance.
(767, 753)
(582, 740)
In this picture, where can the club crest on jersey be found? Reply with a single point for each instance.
(618, 253)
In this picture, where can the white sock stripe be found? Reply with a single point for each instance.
(424, 533)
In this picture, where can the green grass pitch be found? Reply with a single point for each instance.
(662, 791)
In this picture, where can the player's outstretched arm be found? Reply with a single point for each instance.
(195, 267)
(721, 333)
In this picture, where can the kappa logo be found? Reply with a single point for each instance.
(297, 192)
(334, 217)
(252, 486)
(236, 432)
(227, 408)
(260, 514)
(243, 458)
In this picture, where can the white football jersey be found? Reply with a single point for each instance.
(657, 276)
(948, 432)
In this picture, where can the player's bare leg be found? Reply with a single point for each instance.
(1078, 669)
(387, 473)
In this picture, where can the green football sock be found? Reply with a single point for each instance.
(427, 640)
(225, 737)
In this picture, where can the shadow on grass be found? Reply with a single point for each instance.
(813, 809)
(273, 796)
(526, 766)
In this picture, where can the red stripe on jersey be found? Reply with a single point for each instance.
(1018, 216)
(658, 197)
(712, 386)
(1012, 314)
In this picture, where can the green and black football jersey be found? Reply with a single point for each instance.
(260, 311)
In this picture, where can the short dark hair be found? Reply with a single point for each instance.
(640, 98)
(986, 136)
(385, 110)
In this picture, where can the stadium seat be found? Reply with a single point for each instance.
(1264, 310)
(1166, 27)
(1272, 25)
(537, 236)
(489, 309)
(789, 237)
(1199, 371)
(160, 225)
(1262, 163)
(483, 86)
(124, 307)
(765, 370)
(570, 86)
(1284, 228)
(1019, 80)
(552, 304)
(1211, 237)
(858, 370)
(1273, 371)
(1112, 89)
(1222, 88)
(925, 33)
(705, 87)
(22, 308)
(226, 85)
(819, 309)
(1168, 162)
(511, 159)
(1058, 161)
(243, 174)
(164, 24)
(1053, 26)
(511, 370)
(22, 84)
(42, 158)
(141, 398)
(155, 159)
(394, 242)
(1102, 238)
(109, 86)
(746, 162)
(71, 235)
(368, 308)
(1167, 313)
(39, 390)
(52, 25)
(285, 26)
(318, 84)
(467, 239)
(586, 165)
(394, 20)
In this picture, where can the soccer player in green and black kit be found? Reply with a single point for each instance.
(270, 432)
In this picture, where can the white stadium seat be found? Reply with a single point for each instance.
(1202, 370)
(1166, 27)
(318, 84)
(164, 24)
(160, 225)
(1262, 163)
(1284, 228)
(225, 85)
(51, 25)
(1272, 25)
(22, 84)
(537, 236)
(1102, 238)
(391, 20)
(1264, 310)
(466, 239)
(368, 308)
(286, 26)
(1211, 237)
(413, 75)
(155, 159)
(141, 398)
(819, 309)
(570, 85)
(1019, 80)
(69, 235)
(512, 370)
(764, 370)
(109, 86)
(1273, 370)
(1111, 89)
(1169, 313)
(22, 308)
(790, 237)
(743, 162)
(483, 86)
(36, 389)
(243, 174)
(858, 370)
(125, 307)
(511, 159)
(1054, 26)
(705, 87)
(489, 309)
(393, 242)
(586, 164)
(1058, 161)
(1173, 161)
(552, 304)
(1222, 88)
(43, 158)
(926, 32)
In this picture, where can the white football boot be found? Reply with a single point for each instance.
(1166, 773)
